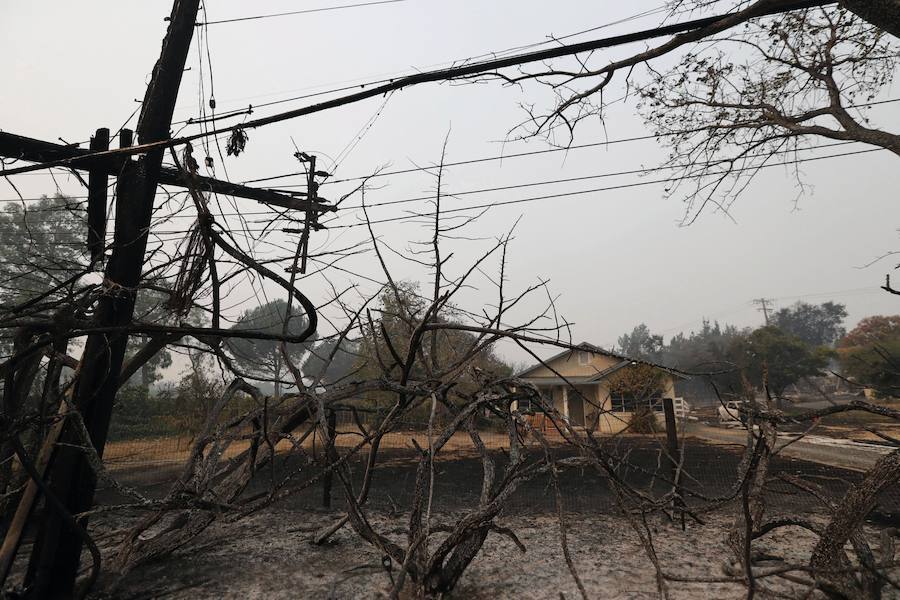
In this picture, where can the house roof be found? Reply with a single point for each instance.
(624, 361)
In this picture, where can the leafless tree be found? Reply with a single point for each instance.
(424, 357)
(757, 96)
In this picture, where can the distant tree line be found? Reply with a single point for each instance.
(800, 341)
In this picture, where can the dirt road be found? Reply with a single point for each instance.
(827, 451)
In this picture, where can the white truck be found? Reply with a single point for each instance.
(732, 413)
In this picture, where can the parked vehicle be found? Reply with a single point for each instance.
(732, 412)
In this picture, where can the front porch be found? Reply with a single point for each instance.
(580, 406)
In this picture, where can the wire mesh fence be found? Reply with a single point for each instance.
(154, 463)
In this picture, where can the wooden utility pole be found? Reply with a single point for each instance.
(312, 192)
(54, 562)
(39, 151)
(764, 307)
(96, 213)
(126, 138)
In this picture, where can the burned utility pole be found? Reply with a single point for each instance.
(99, 169)
(674, 458)
(40, 151)
(97, 180)
(53, 567)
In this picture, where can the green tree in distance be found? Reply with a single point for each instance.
(43, 245)
(815, 324)
(263, 358)
(396, 318)
(640, 343)
(870, 353)
(771, 357)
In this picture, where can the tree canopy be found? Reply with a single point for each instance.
(815, 324)
(41, 246)
(771, 357)
(640, 343)
(400, 310)
(871, 330)
(776, 356)
(263, 358)
(704, 350)
(870, 353)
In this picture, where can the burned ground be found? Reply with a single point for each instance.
(710, 471)
(269, 556)
(276, 558)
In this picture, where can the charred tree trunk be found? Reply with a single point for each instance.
(16, 387)
(829, 560)
(884, 14)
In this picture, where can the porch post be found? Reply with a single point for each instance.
(565, 402)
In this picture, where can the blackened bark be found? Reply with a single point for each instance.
(884, 14)
(829, 560)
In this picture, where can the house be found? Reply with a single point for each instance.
(587, 382)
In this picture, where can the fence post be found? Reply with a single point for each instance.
(331, 420)
(672, 449)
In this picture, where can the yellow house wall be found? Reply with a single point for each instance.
(568, 366)
(609, 422)
(614, 422)
(596, 394)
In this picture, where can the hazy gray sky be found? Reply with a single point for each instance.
(615, 258)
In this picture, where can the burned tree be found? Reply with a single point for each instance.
(422, 368)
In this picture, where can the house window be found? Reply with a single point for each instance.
(584, 358)
(627, 403)
(530, 406)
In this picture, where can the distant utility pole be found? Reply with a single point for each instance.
(765, 304)
(311, 221)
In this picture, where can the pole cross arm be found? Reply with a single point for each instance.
(38, 151)
(170, 176)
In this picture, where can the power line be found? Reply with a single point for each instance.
(364, 82)
(516, 154)
(434, 76)
(610, 174)
(500, 63)
(521, 200)
(300, 12)
(462, 162)
(845, 292)
(479, 160)
(614, 174)
(568, 180)
(580, 192)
